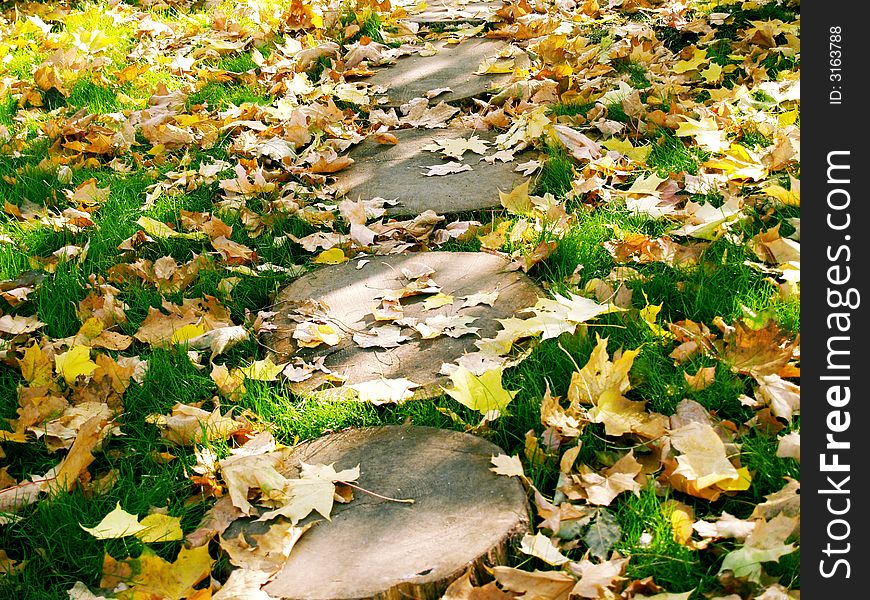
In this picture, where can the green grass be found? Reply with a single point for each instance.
(96, 98)
(670, 154)
(237, 63)
(672, 565)
(219, 96)
(557, 173)
(8, 109)
(569, 109)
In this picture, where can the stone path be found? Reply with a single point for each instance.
(462, 515)
(452, 11)
(454, 66)
(351, 295)
(397, 172)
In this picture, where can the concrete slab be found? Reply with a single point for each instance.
(397, 172)
(453, 66)
(351, 293)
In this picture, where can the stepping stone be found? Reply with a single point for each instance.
(397, 172)
(453, 66)
(463, 516)
(351, 293)
(447, 11)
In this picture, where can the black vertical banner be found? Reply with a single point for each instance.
(835, 296)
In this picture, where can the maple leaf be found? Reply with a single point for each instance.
(263, 370)
(597, 579)
(447, 168)
(509, 466)
(541, 547)
(188, 425)
(766, 543)
(518, 200)
(150, 576)
(553, 585)
(74, 362)
(456, 147)
(313, 491)
(117, 524)
(483, 393)
(35, 366)
(386, 336)
(599, 374)
(603, 488)
(703, 459)
(383, 391)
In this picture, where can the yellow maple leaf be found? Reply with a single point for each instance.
(333, 256)
(699, 57)
(76, 361)
(149, 576)
(35, 366)
(517, 201)
(117, 524)
(437, 301)
(160, 528)
(482, 393)
(263, 370)
(186, 332)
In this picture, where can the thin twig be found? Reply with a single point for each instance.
(365, 491)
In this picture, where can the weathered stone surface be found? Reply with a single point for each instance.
(453, 66)
(463, 516)
(397, 172)
(453, 11)
(350, 295)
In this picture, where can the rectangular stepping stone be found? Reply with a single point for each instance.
(397, 172)
(452, 67)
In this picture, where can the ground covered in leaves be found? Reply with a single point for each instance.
(166, 167)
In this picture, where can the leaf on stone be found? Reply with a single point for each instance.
(447, 168)
(333, 256)
(269, 550)
(384, 391)
(310, 334)
(509, 466)
(437, 301)
(386, 336)
(313, 491)
(487, 298)
(541, 547)
(483, 393)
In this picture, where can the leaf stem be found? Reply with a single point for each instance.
(365, 491)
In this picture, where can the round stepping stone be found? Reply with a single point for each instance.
(453, 66)
(350, 293)
(463, 516)
(398, 172)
